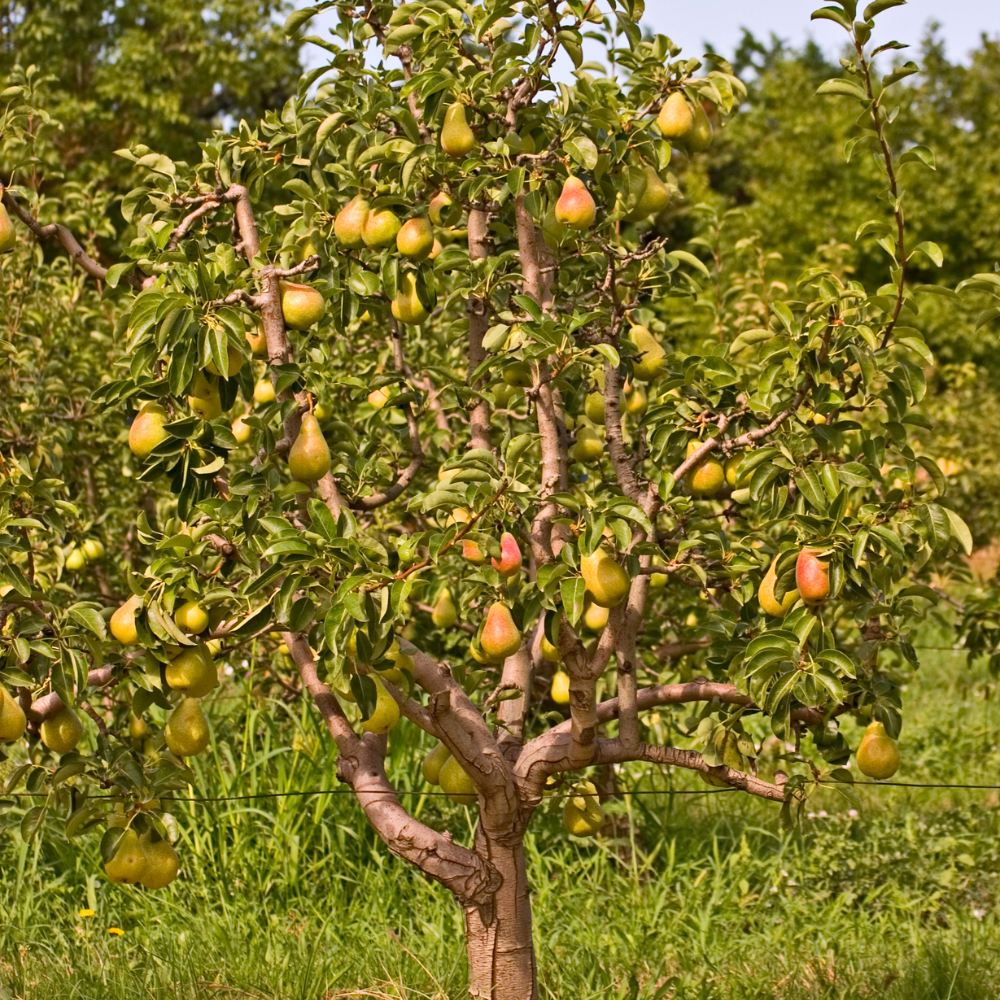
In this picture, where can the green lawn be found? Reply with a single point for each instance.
(295, 898)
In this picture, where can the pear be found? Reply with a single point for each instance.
(636, 401)
(161, 862)
(443, 211)
(435, 250)
(309, 458)
(676, 117)
(191, 617)
(593, 407)
(560, 687)
(444, 614)
(458, 786)
(500, 636)
(575, 207)
(380, 229)
(589, 447)
(192, 672)
(123, 622)
(877, 755)
(406, 306)
(518, 375)
(147, 430)
(301, 305)
(93, 549)
(379, 397)
(127, 864)
(765, 594)
(509, 563)
(457, 138)
(350, 221)
(415, 239)
(207, 407)
(550, 652)
(76, 560)
(654, 199)
(657, 581)
(700, 136)
(707, 477)
(263, 391)
(595, 616)
(234, 362)
(582, 813)
(187, 729)
(8, 238)
(137, 728)
(12, 718)
(812, 577)
(62, 730)
(473, 552)
(732, 470)
(476, 652)
(649, 365)
(433, 762)
(607, 583)
(727, 744)
(386, 713)
(257, 341)
(242, 431)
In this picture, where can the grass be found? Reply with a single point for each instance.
(296, 899)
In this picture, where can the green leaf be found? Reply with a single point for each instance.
(877, 6)
(959, 530)
(845, 88)
(572, 592)
(90, 619)
(831, 14)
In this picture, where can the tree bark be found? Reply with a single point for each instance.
(498, 936)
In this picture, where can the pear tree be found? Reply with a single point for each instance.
(420, 432)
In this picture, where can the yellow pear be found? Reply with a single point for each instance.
(707, 477)
(406, 306)
(129, 860)
(877, 755)
(123, 622)
(732, 470)
(588, 447)
(350, 221)
(433, 762)
(137, 728)
(309, 458)
(650, 363)
(12, 718)
(635, 401)
(301, 305)
(379, 397)
(765, 594)
(93, 549)
(444, 614)
(415, 239)
(500, 637)
(593, 407)
(457, 138)
(458, 786)
(161, 864)
(560, 687)
(192, 672)
(575, 207)
(76, 560)
(435, 250)
(676, 117)
(607, 583)
(191, 617)
(8, 238)
(187, 729)
(147, 430)
(443, 211)
(550, 652)
(257, 340)
(234, 362)
(595, 616)
(386, 713)
(62, 730)
(207, 407)
(380, 228)
(242, 431)
(582, 813)
(263, 391)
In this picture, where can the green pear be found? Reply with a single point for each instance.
(147, 430)
(444, 613)
(62, 730)
(454, 782)
(593, 407)
(12, 719)
(76, 560)
(186, 730)
(386, 713)
(126, 865)
(700, 136)
(518, 375)
(582, 812)
(654, 199)
(350, 221)
(234, 362)
(161, 863)
(93, 549)
(649, 365)
(433, 762)
(207, 407)
(415, 239)
(380, 228)
(192, 672)
(575, 207)
(707, 477)
(588, 447)
(766, 598)
(607, 583)
(263, 391)
(309, 458)
(8, 238)
(301, 305)
(676, 117)
(191, 617)
(457, 138)
(877, 755)
(500, 637)
(443, 211)
(406, 306)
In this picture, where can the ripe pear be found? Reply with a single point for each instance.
(380, 229)
(93, 549)
(192, 672)
(435, 250)
(476, 652)
(263, 391)
(147, 430)
(676, 117)
(473, 552)
(588, 447)
(161, 862)
(309, 457)
(575, 207)
(207, 407)
(509, 563)
(582, 813)
(457, 138)
(765, 594)
(560, 687)
(257, 340)
(433, 762)
(350, 221)
(301, 305)
(636, 401)
(129, 860)
(187, 729)
(8, 238)
(443, 211)
(595, 616)
(62, 730)
(649, 365)
(732, 470)
(458, 786)
(550, 652)
(123, 622)
(242, 431)
(234, 362)
(593, 407)
(191, 617)
(379, 397)
(877, 755)
(415, 239)
(700, 136)
(812, 577)
(406, 306)
(500, 637)
(76, 560)
(707, 477)
(386, 713)
(12, 718)
(444, 614)
(654, 199)
(607, 583)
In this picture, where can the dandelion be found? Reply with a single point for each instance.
(116, 930)
(86, 913)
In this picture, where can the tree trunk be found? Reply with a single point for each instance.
(498, 936)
